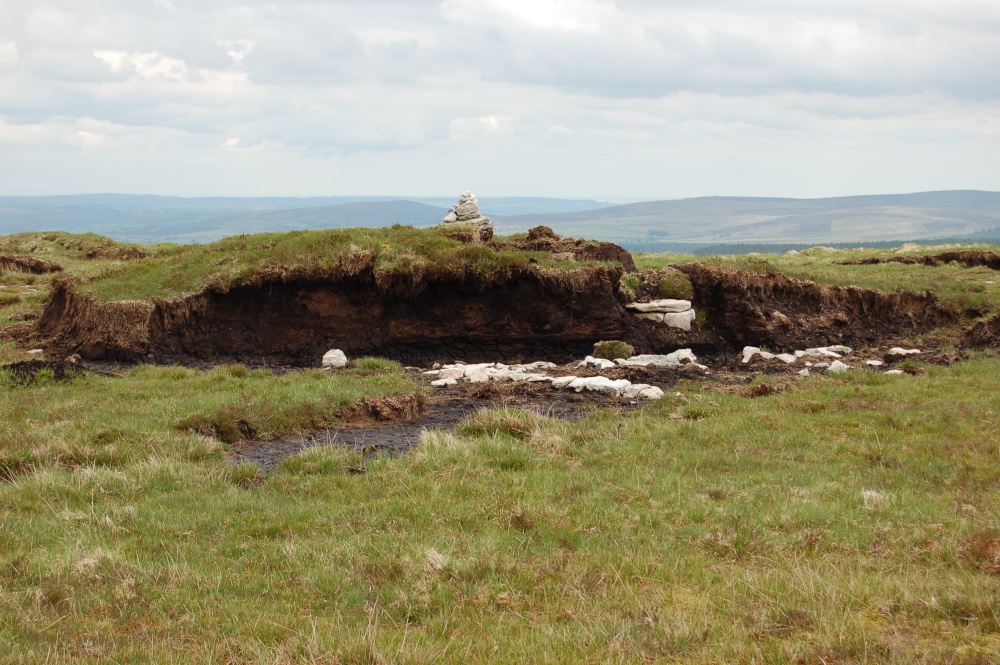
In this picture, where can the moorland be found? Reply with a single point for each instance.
(751, 514)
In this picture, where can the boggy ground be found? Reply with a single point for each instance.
(829, 519)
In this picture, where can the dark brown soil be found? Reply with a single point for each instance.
(785, 314)
(525, 315)
(985, 333)
(27, 264)
(532, 314)
(970, 258)
(26, 371)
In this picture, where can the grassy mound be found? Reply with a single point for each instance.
(242, 260)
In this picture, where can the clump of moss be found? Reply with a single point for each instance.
(612, 350)
(676, 285)
(664, 283)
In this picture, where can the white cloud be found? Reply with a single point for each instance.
(8, 53)
(236, 49)
(583, 97)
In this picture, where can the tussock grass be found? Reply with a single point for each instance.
(847, 519)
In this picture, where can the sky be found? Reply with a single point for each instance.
(605, 99)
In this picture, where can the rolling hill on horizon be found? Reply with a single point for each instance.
(703, 220)
(720, 219)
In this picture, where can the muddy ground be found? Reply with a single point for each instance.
(446, 407)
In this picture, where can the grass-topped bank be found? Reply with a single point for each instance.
(848, 519)
(405, 251)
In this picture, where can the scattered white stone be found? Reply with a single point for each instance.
(667, 305)
(334, 359)
(786, 358)
(749, 352)
(821, 365)
(822, 351)
(601, 384)
(36, 352)
(808, 364)
(838, 348)
(804, 372)
(531, 367)
(895, 372)
(563, 381)
(600, 363)
(681, 320)
(434, 372)
(837, 367)
(651, 393)
(674, 359)
(444, 382)
(633, 391)
(451, 373)
(874, 363)
(899, 351)
(651, 316)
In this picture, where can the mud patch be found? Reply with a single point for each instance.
(442, 412)
(27, 264)
(970, 258)
(27, 371)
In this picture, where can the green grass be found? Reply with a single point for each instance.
(831, 522)
(241, 260)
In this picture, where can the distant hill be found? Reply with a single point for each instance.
(770, 220)
(706, 220)
(147, 218)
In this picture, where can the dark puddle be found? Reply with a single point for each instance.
(397, 438)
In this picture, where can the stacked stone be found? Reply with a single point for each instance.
(674, 313)
(467, 212)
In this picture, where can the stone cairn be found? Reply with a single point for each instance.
(467, 212)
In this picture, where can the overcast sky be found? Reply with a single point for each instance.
(583, 98)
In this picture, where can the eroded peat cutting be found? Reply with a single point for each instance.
(522, 313)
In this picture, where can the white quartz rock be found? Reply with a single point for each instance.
(667, 305)
(838, 367)
(563, 381)
(681, 320)
(600, 363)
(334, 359)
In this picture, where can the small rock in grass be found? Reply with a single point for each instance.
(444, 382)
(804, 372)
(837, 367)
(786, 358)
(895, 372)
(898, 351)
(874, 363)
(651, 393)
(821, 365)
(432, 372)
(334, 359)
(36, 352)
